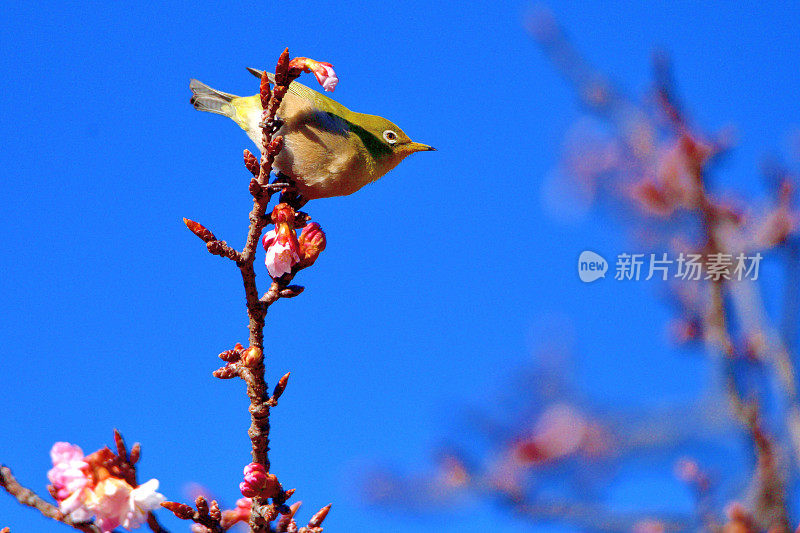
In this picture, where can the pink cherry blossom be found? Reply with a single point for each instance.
(283, 250)
(71, 479)
(323, 71)
(63, 452)
(329, 80)
(115, 503)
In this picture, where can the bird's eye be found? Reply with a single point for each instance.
(390, 136)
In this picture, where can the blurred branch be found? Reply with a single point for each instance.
(654, 165)
(596, 518)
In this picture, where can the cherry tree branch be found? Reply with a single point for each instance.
(248, 363)
(26, 496)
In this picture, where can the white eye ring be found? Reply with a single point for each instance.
(390, 136)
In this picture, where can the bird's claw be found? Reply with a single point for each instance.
(281, 181)
(277, 187)
(289, 195)
(274, 125)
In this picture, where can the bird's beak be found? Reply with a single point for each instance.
(419, 147)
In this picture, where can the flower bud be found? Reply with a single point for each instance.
(283, 249)
(181, 510)
(275, 146)
(320, 516)
(282, 213)
(282, 70)
(251, 162)
(264, 91)
(199, 230)
(252, 356)
(312, 242)
(258, 482)
(229, 371)
(280, 387)
(323, 71)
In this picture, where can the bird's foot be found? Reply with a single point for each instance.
(289, 195)
(281, 182)
(278, 187)
(277, 123)
(273, 126)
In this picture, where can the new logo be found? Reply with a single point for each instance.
(591, 266)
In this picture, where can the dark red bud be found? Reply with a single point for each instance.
(282, 69)
(136, 453)
(182, 511)
(281, 386)
(214, 511)
(199, 230)
(282, 214)
(122, 452)
(251, 162)
(265, 92)
(228, 371)
(280, 92)
(296, 505)
(275, 146)
(312, 242)
(230, 356)
(317, 519)
(301, 219)
(291, 291)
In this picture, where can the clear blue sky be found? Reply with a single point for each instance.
(434, 278)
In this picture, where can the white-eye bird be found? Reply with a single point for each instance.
(328, 149)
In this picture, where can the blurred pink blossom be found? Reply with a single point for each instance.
(70, 472)
(71, 478)
(115, 503)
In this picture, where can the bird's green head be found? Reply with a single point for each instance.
(383, 139)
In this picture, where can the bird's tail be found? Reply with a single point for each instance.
(204, 98)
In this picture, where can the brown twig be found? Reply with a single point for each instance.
(262, 512)
(208, 516)
(27, 497)
(249, 364)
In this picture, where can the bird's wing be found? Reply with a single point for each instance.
(318, 100)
